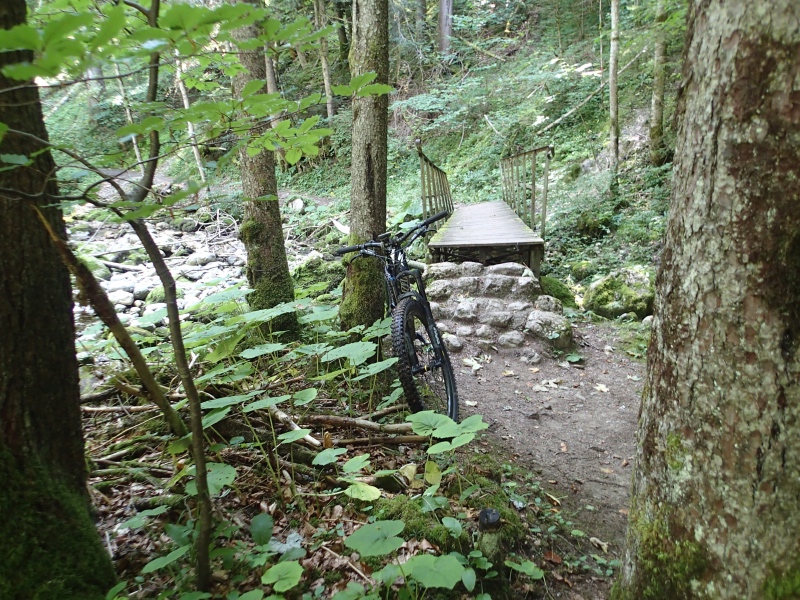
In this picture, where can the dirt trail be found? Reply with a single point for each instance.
(573, 425)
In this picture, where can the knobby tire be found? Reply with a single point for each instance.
(433, 385)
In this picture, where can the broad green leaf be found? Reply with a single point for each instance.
(111, 26)
(293, 436)
(140, 519)
(252, 87)
(163, 561)
(3, 126)
(14, 159)
(376, 89)
(353, 591)
(342, 90)
(433, 475)
(215, 417)
(453, 526)
(252, 595)
(261, 528)
(262, 349)
(363, 491)
(577, 533)
(328, 456)
(462, 440)
(435, 571)
(473, 424)
(388, 574)
(305, 396)
(433, 503)
(356, 353)
(319, 314)
(219, 476)
(21, 37)
(448, 430)
(468, 578)
(283, 576)
(293, 155)
(376, 539)
(360, 80)
(229, 400)
(427, 421)
(375, 368)
(265, 403)
(528, 568)
(225, 347)
(356, 463)
(440, 447)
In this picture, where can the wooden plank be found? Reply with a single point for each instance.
(485, 224)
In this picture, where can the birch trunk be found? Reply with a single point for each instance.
(715, 511)
(445, 25)
(613, 103)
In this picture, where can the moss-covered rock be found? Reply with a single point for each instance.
(582, 269)
(553, 287)
(594, 224)
(319, 274)
(623, 291)
(98, 269)
(420, 525)
(157, 295)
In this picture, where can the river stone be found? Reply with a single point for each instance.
(500, 319)
(442, 270)
(467, 285)
(549, 304)
(497, 285)
(142, 288)
(464, 330)
(510, 268)
(648, 320)
(441, 289)
(526, 287)
(472, 269)
(121, 297)
(511, 339)
(201, 258)
(467, 310)
(484, 331)
(452, 343)
(116, 285)
(551, 328)
(621, 291)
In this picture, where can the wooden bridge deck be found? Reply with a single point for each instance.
(489, 233)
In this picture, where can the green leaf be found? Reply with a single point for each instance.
(462, 440)
(362, 491)
(356, 353)
(427, 421)
(140, 519)
(225, 347)
(215, 417)
(262, 349)
(433, 475)
(574, 358)
(305, 396)
(360, 80)
(3, 126)
(293, 155)
(440, 447)
(21, 37)
(577, 533)
(342, 90)
(376, 89)
(473, 424)
(293, 436)
(252, 595)
(14, 159)
(163, 561)
(252, 87)
(229, 400)
(435, 571)
(468, 578)
(265, 403)
(283, 576)
(356, 463)
(219, 476)
(448, 430)
(112, 593)
(328, 456)
(261, 528)
(528, 568)
(453, 526)
(375, 368)
(376, 539)
(111, 26)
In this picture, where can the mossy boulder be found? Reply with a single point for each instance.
(627, 290)
(555, 288)
(419, 524)
(593, 223)
(157, 295)
(582, 269)
(318, 273)
(98, 269)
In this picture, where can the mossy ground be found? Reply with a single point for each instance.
(51, 550)
(553, 287)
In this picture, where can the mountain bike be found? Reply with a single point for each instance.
(423, 364)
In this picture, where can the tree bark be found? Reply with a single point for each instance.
(658, 154)
(445, 25)
(342, 31)
(321, 18)
(421, 21)
(362, 301)
(613, 103)
(261, 230)
(715, 511)
(51, 548)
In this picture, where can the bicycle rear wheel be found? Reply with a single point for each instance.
(425, 371)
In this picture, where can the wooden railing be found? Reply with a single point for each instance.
(435, 188)
(518, 173)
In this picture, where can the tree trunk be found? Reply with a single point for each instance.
(715, 511)
(613, 104)
(321, 18)
(421, 21)
(51, 546)
(658, 154)
(362, 301)
(261, 230)
(198, 160)
(445, 25)
(342, 30)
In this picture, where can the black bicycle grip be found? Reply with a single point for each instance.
(346, 250)
(435, 218)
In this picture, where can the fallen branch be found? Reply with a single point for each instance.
(287, 420)
(99, 396)
(337, 421)
(120, 266)
(349, 563)
(112, 409)
(383, 441)
(378, 414)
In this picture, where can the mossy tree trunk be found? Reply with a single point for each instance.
(261, 230)
(445, 25)
(658, 154)
(50, 546)
(363, 297)
(715, 511)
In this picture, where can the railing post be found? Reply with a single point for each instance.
(548, 155)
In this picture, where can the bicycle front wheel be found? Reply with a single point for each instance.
(424, 367)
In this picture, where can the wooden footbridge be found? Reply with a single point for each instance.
(491, 232)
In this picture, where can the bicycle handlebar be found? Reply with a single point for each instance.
(400, 238)
(435, 218)
(349, 249)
